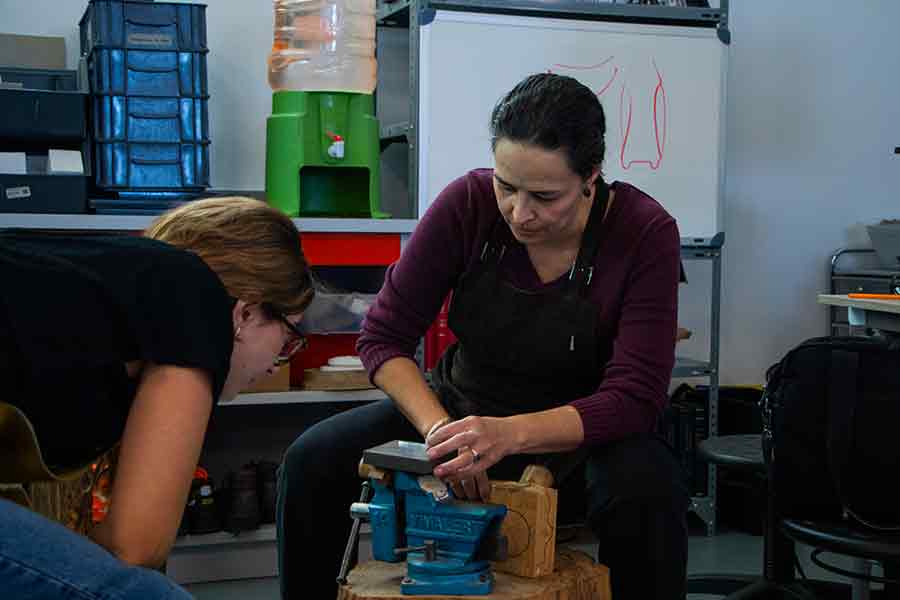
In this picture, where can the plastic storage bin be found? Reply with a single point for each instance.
(143, 25)
(41, 118)
(154, 73)
(38, 193)
(336, 313)
(157, 120)
(163, 167)
(39, 79)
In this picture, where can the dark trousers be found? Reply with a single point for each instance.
(636, 504)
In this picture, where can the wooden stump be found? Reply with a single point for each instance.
(576, 577)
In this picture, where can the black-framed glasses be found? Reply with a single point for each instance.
(296, 340)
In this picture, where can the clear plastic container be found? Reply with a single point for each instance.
(323, 46)
(336, 313)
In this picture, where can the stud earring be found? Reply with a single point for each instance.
(237, 333)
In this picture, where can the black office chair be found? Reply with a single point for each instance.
(863, 545)
(737, 452)
(778, 579)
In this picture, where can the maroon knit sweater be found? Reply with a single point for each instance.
(634, 285)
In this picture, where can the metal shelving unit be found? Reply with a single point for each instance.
(139, 222)
(707, 250)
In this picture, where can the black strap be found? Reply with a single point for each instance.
(841, 409)
(583, 267)
(495, 245)
(582, 270)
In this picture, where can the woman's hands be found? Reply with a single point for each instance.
(480, 443)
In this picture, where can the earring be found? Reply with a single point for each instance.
(586, 191)
(237, 333)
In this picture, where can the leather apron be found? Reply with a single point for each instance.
(520, 351)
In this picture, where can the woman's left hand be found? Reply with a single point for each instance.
(489, 440)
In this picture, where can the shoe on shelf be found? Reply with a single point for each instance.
(243, 512)
(267, 480)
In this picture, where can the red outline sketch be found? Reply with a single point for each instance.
(659, 110)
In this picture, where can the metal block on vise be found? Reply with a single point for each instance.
(448, 543)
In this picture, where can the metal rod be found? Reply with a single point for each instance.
(350, 552)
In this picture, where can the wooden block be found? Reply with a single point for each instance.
(576, 577)
(279, 381)
(530, 524)
(316, 379)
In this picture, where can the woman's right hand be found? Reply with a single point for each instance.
(479, 443)
(476, 487)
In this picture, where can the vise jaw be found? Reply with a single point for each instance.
(448, 543)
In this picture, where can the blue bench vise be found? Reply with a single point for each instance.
(448, 543)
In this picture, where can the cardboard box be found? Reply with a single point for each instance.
(32, 51)
(280, 381)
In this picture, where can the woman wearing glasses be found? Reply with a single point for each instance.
(564, 303)
(132, 341)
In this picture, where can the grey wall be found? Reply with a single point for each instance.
(813, 117)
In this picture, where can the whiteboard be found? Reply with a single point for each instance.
(661, 87)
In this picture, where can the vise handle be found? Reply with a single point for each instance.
(350, 552)
(429, 548)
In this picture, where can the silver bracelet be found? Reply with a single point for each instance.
(440, 423)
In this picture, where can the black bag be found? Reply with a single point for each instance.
(831, 411)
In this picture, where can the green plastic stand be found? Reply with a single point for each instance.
(322, 155)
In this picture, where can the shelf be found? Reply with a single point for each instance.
(305, 397)
(699, 243)
(704, 507)
(394, 133)
(266, 533)
(688, 367)
(877, 273)
(394, 130)
(695, 16)
(140, 222)
(392, 13)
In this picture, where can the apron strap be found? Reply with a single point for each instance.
(495, 246)
(583, 268)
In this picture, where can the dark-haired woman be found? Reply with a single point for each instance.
(564, 302)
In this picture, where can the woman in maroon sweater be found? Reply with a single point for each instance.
(564, 303)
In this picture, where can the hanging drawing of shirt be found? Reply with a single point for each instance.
(633, 95)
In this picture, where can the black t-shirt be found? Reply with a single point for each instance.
(74, 310)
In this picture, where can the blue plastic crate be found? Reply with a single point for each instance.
(149, 120)
(143, 26)
(156, 73)
(136, 166)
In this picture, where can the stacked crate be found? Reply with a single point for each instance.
(146, 70)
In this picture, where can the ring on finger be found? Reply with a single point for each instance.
(475, 455)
